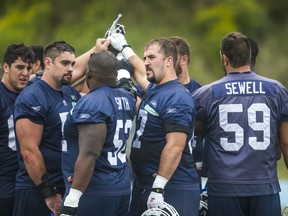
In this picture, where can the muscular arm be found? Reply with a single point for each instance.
(82, 60)
(283, 141)
(29, 136)
(139, 71)
(91, 141)
(171, 154)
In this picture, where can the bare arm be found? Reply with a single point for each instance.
(172, 153)
(29, 136)
(283, 141)
(82, 60)
(91, 141)
(139, 71)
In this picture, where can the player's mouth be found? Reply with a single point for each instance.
(23, 81)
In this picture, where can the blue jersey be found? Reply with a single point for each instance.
(242, 113)
(44, 105)
(167, 103)
(192, 85)
(8, 155)
(116, 108)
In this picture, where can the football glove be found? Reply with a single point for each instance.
(155, 200)
(118, 29)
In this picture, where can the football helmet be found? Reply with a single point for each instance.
(169, 210)
(285, 211)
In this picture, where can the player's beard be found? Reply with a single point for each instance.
(65, 81)
(178, 69)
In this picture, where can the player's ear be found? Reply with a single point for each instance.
(88, 74)
(47, 61)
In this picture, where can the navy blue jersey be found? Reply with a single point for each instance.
(116, 108)
(192, 85)
(167, 103)
(44, 105)
(242, 113)
(8, 155)
(198, 140)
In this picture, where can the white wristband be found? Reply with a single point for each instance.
(159, 182)
(128, 52)
(122, 73)
(73, 198)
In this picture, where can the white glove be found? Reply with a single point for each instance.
(118, 29)
(118, 40)
(155, 200)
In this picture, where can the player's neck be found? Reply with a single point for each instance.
(184, 77)
(242, 69)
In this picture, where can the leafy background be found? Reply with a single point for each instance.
(203, 23)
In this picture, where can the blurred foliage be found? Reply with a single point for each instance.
(202, 23)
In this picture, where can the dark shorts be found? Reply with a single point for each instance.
(268, 205)
(186, 202)
(103, 205)
(30, 202)
(6, 206)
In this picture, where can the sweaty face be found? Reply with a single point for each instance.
(62, 68)
(155, 64)
(16, 76)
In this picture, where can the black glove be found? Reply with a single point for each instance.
(69, 211)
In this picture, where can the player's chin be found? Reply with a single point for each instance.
(66, 81)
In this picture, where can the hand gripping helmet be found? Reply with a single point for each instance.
(169, 210)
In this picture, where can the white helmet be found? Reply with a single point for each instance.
(168, 210)
(285, 211)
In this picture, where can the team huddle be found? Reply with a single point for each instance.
(108, 133)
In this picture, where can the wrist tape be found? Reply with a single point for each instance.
(47, 187)
(127, 51)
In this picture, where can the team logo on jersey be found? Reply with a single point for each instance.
(36, 108)
(150, 110)
(84, 116)
(171, 110)
(154, 103)
(65, 103)
(73, 97)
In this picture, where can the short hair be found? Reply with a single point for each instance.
(15, 51)
(167, 47)
(55, 49)
(38, 50)
(104, 66)
(182, 46)
(236, 47)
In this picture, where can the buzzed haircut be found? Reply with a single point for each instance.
(55, 49)
(104, 66)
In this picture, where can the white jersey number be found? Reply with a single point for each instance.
(263, 126)
(139, 132)
(120, 151)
